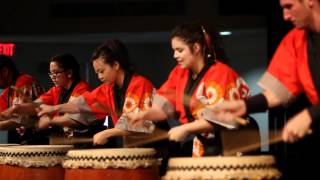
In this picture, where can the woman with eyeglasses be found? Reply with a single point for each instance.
(200, 80)
(64, 73)
(123, 92)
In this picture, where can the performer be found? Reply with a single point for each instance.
(200, 80)
(11, 77)
(294, 69)
(64, 73)
(122, 92)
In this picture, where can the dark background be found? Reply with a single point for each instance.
(41, 29)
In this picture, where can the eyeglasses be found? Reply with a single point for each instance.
(55, 74)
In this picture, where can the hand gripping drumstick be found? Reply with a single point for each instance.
(27, 98)
(209, 115)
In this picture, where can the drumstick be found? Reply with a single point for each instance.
(25, 96)
(251, 147)
(210, 115)
(157, 135)
(56, 140)
(238, 120)
(21, 93)
(241, 121)
(276, 138)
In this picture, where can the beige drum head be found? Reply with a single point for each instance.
(35, 155)
(5, 145)
(129, 158)
(2, 150)
(245, 167)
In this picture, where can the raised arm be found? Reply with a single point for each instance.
(63, 108)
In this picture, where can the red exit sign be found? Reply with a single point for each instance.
(7, 49)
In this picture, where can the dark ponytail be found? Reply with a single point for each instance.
(114, 51)
(210, 43)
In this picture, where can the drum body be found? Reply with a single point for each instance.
(227, 167)
(114, 164)
(38, 162)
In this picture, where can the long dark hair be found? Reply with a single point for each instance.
(68, 62)
(113, 51)
(210, 42)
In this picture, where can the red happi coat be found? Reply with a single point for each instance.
(24, 82)
(51, 97)
(219, 82)
(138, 97)
(288, 74)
